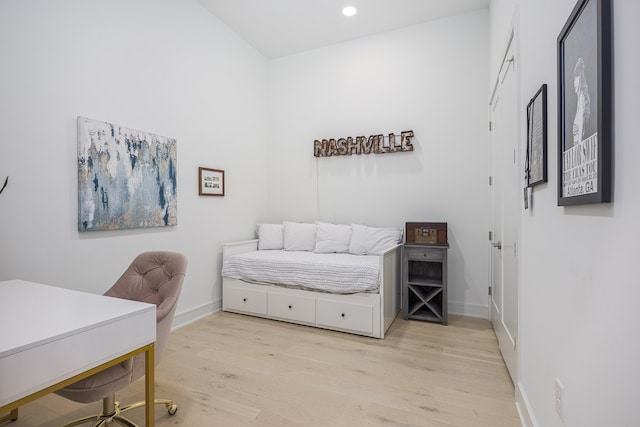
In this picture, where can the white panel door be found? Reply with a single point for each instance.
(506, 194)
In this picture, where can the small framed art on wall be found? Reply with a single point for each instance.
(536, 166)
(210, 182)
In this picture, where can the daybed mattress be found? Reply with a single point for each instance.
(334, 273)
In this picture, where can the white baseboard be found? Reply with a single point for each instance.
(469, 310)
(190, 316)
(522, 405)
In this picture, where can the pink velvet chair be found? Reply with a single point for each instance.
(152, 277)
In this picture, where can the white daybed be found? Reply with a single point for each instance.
(369, 312)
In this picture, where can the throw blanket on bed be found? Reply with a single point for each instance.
(334, 273)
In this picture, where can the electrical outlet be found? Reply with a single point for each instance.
(559, 399)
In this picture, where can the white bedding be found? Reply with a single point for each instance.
(334, 273)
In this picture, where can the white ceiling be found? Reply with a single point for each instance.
(278, 28)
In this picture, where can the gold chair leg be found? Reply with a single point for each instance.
(111, 411)
(172, 408)
(92, 418)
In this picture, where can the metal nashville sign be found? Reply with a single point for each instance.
(376, 144)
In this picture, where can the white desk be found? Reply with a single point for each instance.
(51, 337)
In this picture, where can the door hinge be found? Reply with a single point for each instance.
(490, 126)
(491, 235)
(515, 342)
(490, 180)
(489, 290)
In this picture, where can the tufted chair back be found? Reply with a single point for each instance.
(155, 278)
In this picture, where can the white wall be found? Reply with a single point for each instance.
(162, 66)
(430, 78)
(579, 289)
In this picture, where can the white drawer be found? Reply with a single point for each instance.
(292, 307)
(355, 317)
(246, 300)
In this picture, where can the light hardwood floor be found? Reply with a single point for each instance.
(231, 370)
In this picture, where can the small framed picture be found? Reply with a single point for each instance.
(210, 182)
(536, 167)
(585, 118)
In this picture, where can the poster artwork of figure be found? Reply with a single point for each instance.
(585, 99)
(580, 151)
(580, 159)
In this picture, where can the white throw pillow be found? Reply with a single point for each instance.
(299, 236)
(332, 238)
(270, 236)
(370, 240)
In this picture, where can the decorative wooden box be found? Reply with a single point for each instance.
(426, 233)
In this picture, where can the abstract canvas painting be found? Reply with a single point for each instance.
(126, 178)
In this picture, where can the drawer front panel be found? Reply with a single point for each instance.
(355, 317)
(292, 307)
(247, 300)
(419, 254)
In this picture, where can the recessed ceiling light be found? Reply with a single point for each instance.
(349, 11)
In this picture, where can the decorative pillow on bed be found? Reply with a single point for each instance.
(299, 236)
(332, 238)
(370, 240)
(270, 236)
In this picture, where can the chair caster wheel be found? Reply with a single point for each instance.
(172, 409)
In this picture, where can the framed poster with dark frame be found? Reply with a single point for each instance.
(210, 182)
(585, 135)
(536, 167)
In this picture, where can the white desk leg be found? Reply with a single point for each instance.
(149, 384)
